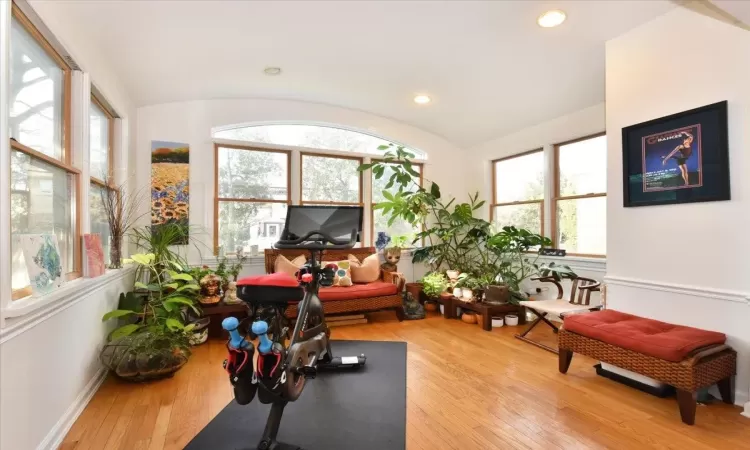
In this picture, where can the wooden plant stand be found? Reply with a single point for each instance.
(488, 310)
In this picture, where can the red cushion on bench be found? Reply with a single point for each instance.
(280, 279)
(374, 289)
(647, 336)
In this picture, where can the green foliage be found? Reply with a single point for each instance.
(558, 272)
(157, 302)
(455, 238)
(434, 284)
(400, 241)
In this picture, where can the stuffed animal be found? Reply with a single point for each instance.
(392, 257)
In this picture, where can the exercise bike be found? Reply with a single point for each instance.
(286, 361)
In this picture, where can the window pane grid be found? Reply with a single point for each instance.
(100, 142)
(518, 192)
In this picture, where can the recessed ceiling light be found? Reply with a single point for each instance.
(422, 99)
(551, 18)
(272, 71)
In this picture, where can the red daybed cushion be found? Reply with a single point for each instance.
(649, 337)
(279, 279)
(374, 289)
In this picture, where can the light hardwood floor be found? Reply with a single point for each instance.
(466, 389)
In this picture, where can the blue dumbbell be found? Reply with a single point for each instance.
(260, 328)
(235, 340)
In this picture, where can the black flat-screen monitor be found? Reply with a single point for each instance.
(335, 221)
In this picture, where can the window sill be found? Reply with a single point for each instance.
(579, 263)
(25, 312)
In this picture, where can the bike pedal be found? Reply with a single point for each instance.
(307, 372)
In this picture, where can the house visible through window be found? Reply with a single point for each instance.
(518, 191)
(580, 204)
(252, 194)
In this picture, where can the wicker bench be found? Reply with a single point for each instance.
(701, 367)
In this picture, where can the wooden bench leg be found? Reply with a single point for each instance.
(564, 356)
(726, 390)
(400, 313)
(687, 402)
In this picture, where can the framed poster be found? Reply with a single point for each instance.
(170, 185)
(682, 158)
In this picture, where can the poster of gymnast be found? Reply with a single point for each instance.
(673, 159)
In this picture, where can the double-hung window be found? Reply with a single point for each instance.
(518, 191)
(253, 189)
(101, 135)
(330, 180)
(43, 181)
(580, 203)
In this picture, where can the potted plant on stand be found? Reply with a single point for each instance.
(156, 342)
(434, 284)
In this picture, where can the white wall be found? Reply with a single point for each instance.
(684, 264)
(191, 122)
(49, 364)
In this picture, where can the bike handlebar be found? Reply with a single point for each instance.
(322, 242)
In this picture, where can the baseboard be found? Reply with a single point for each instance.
(747, 410)
(56, 435)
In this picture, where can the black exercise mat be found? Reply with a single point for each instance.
(363, 409)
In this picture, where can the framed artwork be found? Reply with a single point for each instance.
(170, 184)
(94, 254)
(682, 158)
(43, 262)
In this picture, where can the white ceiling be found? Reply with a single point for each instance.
(487, 65)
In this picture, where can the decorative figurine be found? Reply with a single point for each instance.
(392, 256)
(210, 289)
(230, 296)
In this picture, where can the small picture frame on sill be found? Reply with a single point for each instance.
(681, 158)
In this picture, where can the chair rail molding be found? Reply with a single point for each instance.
(695, 291)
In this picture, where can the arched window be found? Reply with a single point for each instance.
(311, 136)
(254, 184)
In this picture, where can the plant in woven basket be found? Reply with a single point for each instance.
(155, 341)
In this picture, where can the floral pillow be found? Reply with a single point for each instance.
(343, 275)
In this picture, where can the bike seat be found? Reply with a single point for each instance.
(276, 288)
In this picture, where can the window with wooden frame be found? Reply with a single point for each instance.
(101, 160)
(518, 191)
(253, 190)
(580, 196)
(378, 221)
(330, 180)
(45, 186)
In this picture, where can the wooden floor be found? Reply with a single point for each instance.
(466, 389)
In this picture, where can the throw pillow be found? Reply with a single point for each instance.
(289, 267)
(366, 271)
(343, 276)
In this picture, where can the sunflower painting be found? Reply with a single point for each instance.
(170, 178)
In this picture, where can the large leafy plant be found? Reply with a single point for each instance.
(157, 301)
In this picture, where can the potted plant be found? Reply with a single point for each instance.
(120, 206)
(156, 341)
(434, 284)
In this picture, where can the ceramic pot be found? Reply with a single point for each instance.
(468, 317)
(497, 322)
(430, 306)
(467, 294)
(452, 274)
(510, 319)
(457, 292)
(442, 310)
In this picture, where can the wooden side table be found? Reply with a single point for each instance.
(487, 310)
(219, 312)
(449, 309)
